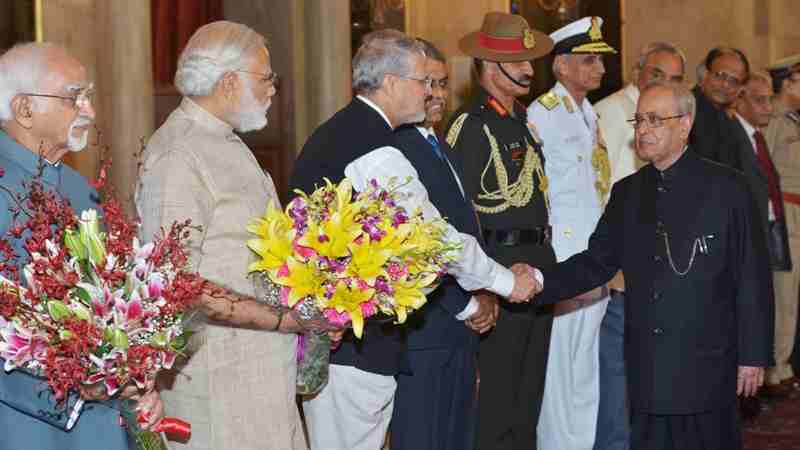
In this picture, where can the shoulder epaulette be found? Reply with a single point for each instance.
(455, 130)
(549, 100)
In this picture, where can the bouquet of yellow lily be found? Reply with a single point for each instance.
(350, 256)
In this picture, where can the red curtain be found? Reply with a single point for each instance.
(174, 22)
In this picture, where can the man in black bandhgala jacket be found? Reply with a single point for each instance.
(699, 315)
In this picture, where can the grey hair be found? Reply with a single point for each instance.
(382, 53)
(684, 99)
(658, 47)
(214, 50)
(22, 69)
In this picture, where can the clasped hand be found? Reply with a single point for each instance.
(525, 283)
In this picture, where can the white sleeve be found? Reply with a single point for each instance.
(473, 270)
(469, 310)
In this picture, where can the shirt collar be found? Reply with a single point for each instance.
(632, 91)
(748, 128)
(585, 107)
(205, 118)
(26, 159)
(676, 169)
(425, 132)
(377, 108)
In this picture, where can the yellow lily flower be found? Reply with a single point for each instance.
(304, 280)
(349, 300)
(367, 261)
(408, 295)
(339, 231)
(274, 245)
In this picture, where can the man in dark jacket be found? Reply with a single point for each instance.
(699, 310)
(391, 82)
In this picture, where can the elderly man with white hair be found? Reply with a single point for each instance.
(238, 387)
(45, 112)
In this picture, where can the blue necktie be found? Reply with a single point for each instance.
(435, 144)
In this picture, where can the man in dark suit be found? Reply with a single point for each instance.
(715, 135)
(391, 82)
(434, 409)
(699, 310)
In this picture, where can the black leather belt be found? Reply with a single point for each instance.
(512, 238)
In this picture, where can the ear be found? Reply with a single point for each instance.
(22, 111)
(686, 126)
(228, 84)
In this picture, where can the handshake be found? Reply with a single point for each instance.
(525, 283)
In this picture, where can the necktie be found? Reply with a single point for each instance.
(772, 174)
(435, 144)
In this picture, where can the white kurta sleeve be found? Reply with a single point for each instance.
(474, 269)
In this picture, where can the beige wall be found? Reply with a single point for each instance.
(444, 23)
(764, 29)
(112, 39)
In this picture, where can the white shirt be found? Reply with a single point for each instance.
(750, 131)
(473, 270)
(613, 113)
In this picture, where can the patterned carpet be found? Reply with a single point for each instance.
(775, 429)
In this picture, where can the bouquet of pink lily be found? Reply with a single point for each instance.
(342, 258)
(96, 309)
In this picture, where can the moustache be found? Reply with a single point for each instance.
(81, 121)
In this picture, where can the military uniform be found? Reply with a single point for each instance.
(580, 179)
(504, 176)
(783, 140)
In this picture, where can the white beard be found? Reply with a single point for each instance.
(76, 144)
(251, 116)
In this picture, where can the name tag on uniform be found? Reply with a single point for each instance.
(572, 139)
(517, 151)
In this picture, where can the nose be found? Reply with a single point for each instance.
(87, 110)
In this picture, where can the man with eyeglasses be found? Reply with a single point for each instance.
(391, 82)
(698, 307)
(46, 112)
(658, 62)
(238, 387)
(715, 134)
(504, 178)
(783, 141)
(579, 175)
(434, 405)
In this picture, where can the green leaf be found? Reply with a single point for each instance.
(83, 296)
(119, 339)
(58, 310)
(158, 340)
(65, 335)
(81, 311)
(179, 343)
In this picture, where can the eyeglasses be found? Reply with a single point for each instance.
(652, 120)
(441, 83)
(427, 81)
(730, 80)
(271, 77)
(657, 74)
(81, 99)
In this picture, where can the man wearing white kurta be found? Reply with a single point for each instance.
(238, 387)
(576, 163)
(659, 61)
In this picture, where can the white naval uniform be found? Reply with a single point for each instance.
(571, 397)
